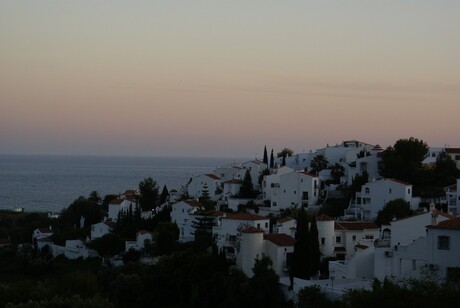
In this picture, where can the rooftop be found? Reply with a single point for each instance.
(355, 225)
(244, 216)
(451, 224)
(280, 239)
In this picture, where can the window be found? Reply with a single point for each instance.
(323, 241)
(266, 225)
(183, 210)
(408, 190)
(273, 203)
(389, 190)
(354, 237)
(258, 226)
(284, 190)
(457, 157)
(443, 242)
(367, 190)
(338, 239)
(369, 237)
(295, 192)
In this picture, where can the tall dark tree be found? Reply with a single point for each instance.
(283, 161)
(206, 200)
(272, 160)
(148, 194)
(164, 195)
(203, 231)
(315, 254)
(403, 161)
(264, 172)
(247, 188)
(265, 161)
(301, 255)
(263, 289)
(94, 197)
(398, 208)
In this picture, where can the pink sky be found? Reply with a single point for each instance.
(213, 78)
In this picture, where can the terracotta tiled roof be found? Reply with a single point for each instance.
(355, 225)
(244, 216)
(234, 181)
(453, 150)
(212, 176)
(284, 219)
(116, 201)
(447, 215)
(399, 181)
(308, 173)
(323, 217)
(45, 230)
(144, 232)
(451, 187)
(451, 224)
(110, 224)
(360, 246)
(280, 239)
(194, 203)
(252, 230)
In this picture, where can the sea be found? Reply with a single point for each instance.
(42, 183)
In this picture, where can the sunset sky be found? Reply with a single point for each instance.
(225, 78)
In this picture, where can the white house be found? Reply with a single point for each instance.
(229, 227)
(453, 198)
(100, 229)
(351, 234)
(397, 236)
(119, 204)
(254, 244)
(139, 243)
(286, 225)
(182, 213)
(368, 163)
(230, 172)
(432, 155)
(231, 188)
(74, 249)
(205, 182)
(454, 153)
(376, 194)
(288, 189)
(42, 237)
(347, 151)
(444, 247)
(255, 168)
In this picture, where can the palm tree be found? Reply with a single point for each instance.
(318, 163)
(337, 171)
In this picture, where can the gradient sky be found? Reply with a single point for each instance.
(224, 78)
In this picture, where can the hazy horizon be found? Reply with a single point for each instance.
(223, 79)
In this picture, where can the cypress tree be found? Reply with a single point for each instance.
(315, 254)
(272, 160)
(301, 256)
(265, 156)
(283, 162)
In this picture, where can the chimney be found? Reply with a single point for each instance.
(434, 218)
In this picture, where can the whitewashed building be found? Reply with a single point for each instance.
(453, 198)
(141, 237)
(454, 153)
(286, 225)
(254, 244)
(376, 194)
(205, 182)
(101, 228)
(290, 188)
(118, 205)
(182, 213)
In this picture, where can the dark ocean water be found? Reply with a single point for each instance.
(51, 183)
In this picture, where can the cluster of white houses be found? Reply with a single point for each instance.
(428, 241)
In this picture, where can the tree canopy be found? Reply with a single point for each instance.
(286, 152)
(398, 208)
(148, 194)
